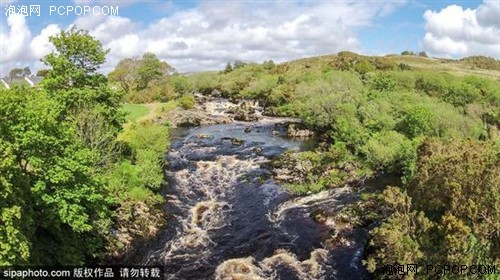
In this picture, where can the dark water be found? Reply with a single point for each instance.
(229, 219)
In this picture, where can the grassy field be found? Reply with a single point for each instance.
(135, 111)
(146, 111)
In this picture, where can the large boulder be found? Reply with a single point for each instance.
(298, 130)
(244, 112)
(189, 121)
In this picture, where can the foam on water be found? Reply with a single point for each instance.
(229, 218)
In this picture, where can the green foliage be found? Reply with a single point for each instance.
(65, 182)
(134, 182)
(314, 171)
(398, 239)
(482, 62)
(451, 203)
(321, 102)
(363, 67)
(73, 79)
(422, 54)
(180, 84)
(143, 79)
(228, 68)
(48, 185)
(382, 82)
(418, 121)
(387, 151)
(42, 72)
(268, 65)
(238, 64)
(205, 83)
(407, 53)
(187, 101)
(76, 61)
(404, 67)
(150, 68)
(261, 87)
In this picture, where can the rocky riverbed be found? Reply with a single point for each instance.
(230, 216)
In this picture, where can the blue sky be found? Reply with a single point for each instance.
(204, 35)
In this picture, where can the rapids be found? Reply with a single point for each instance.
(230, 220)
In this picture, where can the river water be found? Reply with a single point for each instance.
(230, 220)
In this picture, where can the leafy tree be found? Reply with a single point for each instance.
(268, 64)
(140, 75)
(238, 64)
(407, 52)
(54, 209)
(150, 68)
(451, 203)
(73, 80)
(228, 68)
(461, 178)
(74, 64)
(399, 238)
(384, 151)
(125, 73)
(462, 94)
(180, 84)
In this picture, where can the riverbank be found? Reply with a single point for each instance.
(230, 216)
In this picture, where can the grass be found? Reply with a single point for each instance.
(135, 111)
(456, 67)
(147, 111)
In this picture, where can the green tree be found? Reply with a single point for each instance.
(53, 207)
(461, 178)
(407, 52)
(399, 238)
(150, 68)
(238, 64)
(125, 74)
(80, 91)
(228, 68)
(422, 54)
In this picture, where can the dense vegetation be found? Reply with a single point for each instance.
(74, 186)
(394, 115)
(78, 184)
(438, 131)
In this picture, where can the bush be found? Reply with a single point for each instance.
(180, 84)
(187, 101)
(418, 121)
(482, 62)
(363, 67)
(384, 151)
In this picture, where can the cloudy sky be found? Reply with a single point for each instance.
(205, 35)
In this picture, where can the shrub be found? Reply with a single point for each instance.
(187, 101)
(482, 62)
(363, 67)
(180, 84)
(418, 121)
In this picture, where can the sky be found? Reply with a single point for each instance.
(206, 34)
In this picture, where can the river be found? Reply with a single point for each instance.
(229, 219)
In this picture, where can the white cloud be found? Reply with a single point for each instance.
(7, 2)
(40, 45)
(208, 36)
(457, 32)
(13, 45)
